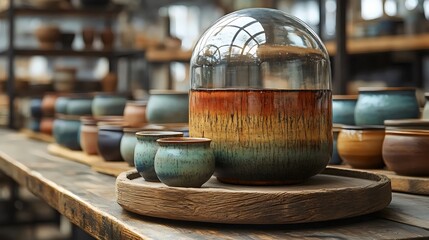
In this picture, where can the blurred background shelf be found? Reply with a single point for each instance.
(168, 55)
(109, 12)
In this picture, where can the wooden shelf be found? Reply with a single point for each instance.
(168, 55)
(109, 12)
(383, 44)
(75, 53)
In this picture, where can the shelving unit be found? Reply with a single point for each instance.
(11, 52)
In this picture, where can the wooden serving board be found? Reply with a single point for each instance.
(38, 136)
(94, 161)
(334, 194)
(406, 184)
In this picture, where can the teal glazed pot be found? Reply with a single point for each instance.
(145, 150)
(34, 124)
(61, 105)
(108, 104)
(343, 109)
(375, 105)
(79, 106)
(66, 131)
(36, 108)
(184, 162)
(109, 142)
(167, 106)
(128, 143)
(425, 114)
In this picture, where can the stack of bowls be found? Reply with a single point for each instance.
(361, 146)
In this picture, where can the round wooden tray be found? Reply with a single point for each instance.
(334, 194)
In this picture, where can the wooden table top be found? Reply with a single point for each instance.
(87, 198)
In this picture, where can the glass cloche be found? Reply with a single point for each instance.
(261, 90)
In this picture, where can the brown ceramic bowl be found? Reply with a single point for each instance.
(48, 104)
(361, 146)
(48, 36)
(46, 125)
(135, 113)
(406, 152)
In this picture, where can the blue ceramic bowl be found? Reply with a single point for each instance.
(108, 105)
(36, 108)
(375, 105)
(109, 142)
(165, 106)
(61, 105)
(66, 131)
(343, 109)
(79, 106)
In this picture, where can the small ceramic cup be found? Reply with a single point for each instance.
(135, 113)
(184, 161)
(361, 146)
(145, 150)
(375, 105)
(167, 106)
(109, 142)
(343, 109)
(406, 151)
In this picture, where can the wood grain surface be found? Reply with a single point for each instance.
(94, 161)
(88, 199)
(38, 136)
(332, 195)
(406, 184)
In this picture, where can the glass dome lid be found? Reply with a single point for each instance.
(260, 48)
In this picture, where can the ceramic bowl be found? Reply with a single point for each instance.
(129, 141)
(406, 152)
(47, 35)
(48, 104)
(343, 109)
(184, 161)
(361, 146)
(61, 105)
(135, 113)
(166, 106)
(109, 142)
(36, 108)
(34, 124)
(375, 105)
(79, 106)
(407, 124)
(145, 150)
(425, 113)
(105, 104)
(66, 131)
(46, 125)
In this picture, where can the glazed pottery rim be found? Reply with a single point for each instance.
(158, 133)
(345, 97)
(167, 92)
(364, 127)
(137, 103)
(183, 140)
(385, 89)
(172, 126)
(409, 132)
(111, 94)
(67, 117)
(407, 122)
(94, 120)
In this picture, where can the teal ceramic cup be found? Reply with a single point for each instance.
(145, 150)
(108, 104)
(343, 109)
(165, 106)
(375, 105)
(184, 162)
(66, 131)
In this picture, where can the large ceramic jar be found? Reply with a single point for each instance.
(343, 109)
(184, 162)
(261, 90)
(375, 105)
(167, 106)
(135, 113)
(145, 150)
(105, 104)
(66, 131)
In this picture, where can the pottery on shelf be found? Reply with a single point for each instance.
(66, 39)
(109, 142)
(361, 146)
(406, 151)
(375, 105)
(168, 106)
(184, 161)
(268, 110)
(66, 131)
(34, 124)
(145, 150)
(61, 104)
(64, 79)
(48, 104)
(48, 36)
(46, 125)
(343, 109)
(128, 143)
(79, 106)
(135, 113)
(105, 104)
(88, 35)
(107, 37)
(109, 82)
(36, 108)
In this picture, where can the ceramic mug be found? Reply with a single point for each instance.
(375, 105)
(145, 150)
(184, 161)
